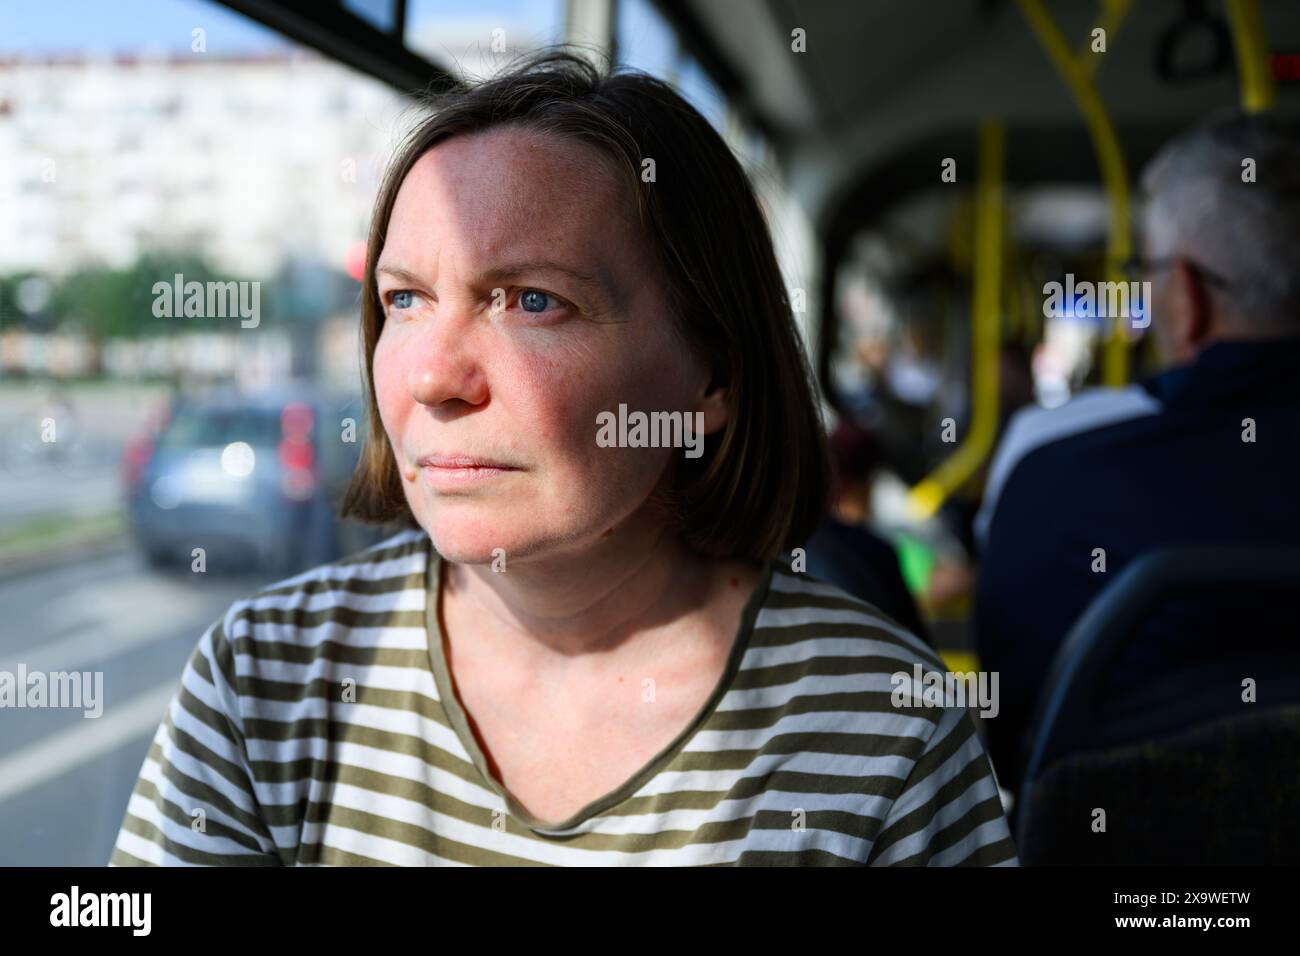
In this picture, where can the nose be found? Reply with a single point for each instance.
(445, 370)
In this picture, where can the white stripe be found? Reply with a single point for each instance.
(753, 739)
(775, 619)
(379, 677)
(984, 834)
(758, 698)
(401, 638)
(407, 599)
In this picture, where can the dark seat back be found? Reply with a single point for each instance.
(1183, 766)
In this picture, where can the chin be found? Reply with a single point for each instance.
(463, 537)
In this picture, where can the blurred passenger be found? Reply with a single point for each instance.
(843, 551)
(1205, 453)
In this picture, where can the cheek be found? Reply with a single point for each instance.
(566, 390)
(388, 372)
(552, 395)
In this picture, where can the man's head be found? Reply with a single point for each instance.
(1220, 241)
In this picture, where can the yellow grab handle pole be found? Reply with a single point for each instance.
(986, 332)
(1257, 89)
(1114, 176)
(1112, 17)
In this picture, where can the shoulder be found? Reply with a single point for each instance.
(378, 588)
(830, 648)
(877, 720)
(1032, 429)
(805, 601)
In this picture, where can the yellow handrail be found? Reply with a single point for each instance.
(986, 329)
(1110, 158)
(1112, 17)
(1257, 89)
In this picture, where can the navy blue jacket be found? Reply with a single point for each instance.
(1162, 463)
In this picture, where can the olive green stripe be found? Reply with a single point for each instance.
(450, 850)
(414, 746)
(330, 691)
(990, 853)
(920, 818)
(801, 600)
(409, 834)
(930, 762)
(801, 782)
(824, 665)
(336, 652)
(223, 657)
(479, 854)
(365, 778)
(814, 742)
(147, 831)
(212, 825)
(767, 635)
(795, 784)
(368, 557)
(858, 825)
(409, 580)
(334, 614)
(989, 809)
(316, 854)
(121, 858)
(352, 584)
(216, 720)
(983, 812)
(809, 857)
(201, 791)
(858, 702)
(332, 729)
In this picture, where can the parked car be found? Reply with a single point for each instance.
(249, 478)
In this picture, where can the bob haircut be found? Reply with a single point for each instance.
(761, 483)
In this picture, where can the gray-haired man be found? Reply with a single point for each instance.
(1207, 452)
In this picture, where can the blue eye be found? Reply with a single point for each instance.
(402, 299)
(533, 301)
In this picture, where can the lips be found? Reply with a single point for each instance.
(459, 462)
(456, 471)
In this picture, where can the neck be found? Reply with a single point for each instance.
(545, 609)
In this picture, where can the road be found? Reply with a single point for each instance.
(65, 778)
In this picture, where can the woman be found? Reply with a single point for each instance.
(582, 652)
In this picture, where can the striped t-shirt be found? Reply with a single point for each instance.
(315, 724)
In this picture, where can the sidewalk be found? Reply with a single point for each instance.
(52, 540)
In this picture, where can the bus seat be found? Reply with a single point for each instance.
(1209, 746)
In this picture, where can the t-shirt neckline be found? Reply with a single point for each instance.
(460, 722)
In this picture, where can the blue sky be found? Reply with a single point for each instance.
(126, 26)
(71, 26)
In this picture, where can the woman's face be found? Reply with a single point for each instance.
(520, 303)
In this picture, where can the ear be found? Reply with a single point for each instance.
(712, 401)
(1192, 311)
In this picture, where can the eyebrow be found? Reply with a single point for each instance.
(598, 281)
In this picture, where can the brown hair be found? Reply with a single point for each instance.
(760, 484)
